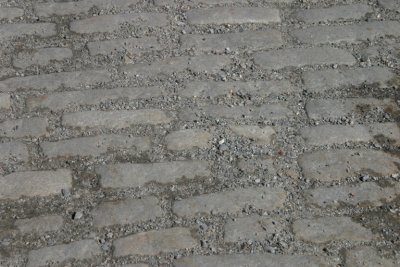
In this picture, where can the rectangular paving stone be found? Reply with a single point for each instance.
(11, 12)
(205, 63)
(262, 136)
(388, 131)
(188, 139)
(325, 229)
(115, 119)
(253, 40)
(231, 202)
(268, 111)
(94, 146)
(78, 250)
(155, 242)
(320, 81)
(63, 100)
(76, 7)
(34, 183)
(215, 89)
(254, 260)
(121, 175)
(53, 81)
(130, 45)
(126, 211)
(27, 127)
(41, 57)
(365, 193)
(233, 15)
(390, 4)
(254, 227)
(9, 31)
(299, 57)
(339, 164)
(15, 151)
(112, 23)
(40, 225)
(347, 33)
(5, 101)
(338, 108)
(342, 12)
(364, 256)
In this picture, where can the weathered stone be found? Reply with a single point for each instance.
(11, 12)
(365, 193)
(5, 101)
(188, 139)
(325, 229)
(262, 136)
(232, 15)
(29, 127)
(40, 225)
(126, 211)
(121, 175)
(367, 257)
(155, 242)
(252, 165)
(41, 57)
(299, 57)
(62, 100)
(111, 23)
(259, 88)
(251, 40)
(79, 250)
(131, 46)
(254, 228)
(389, 131)
(115, 119)
(34, 183)
(9, 31)
(94, 146)
(340, 164)
(13, 151)
(232, 202)
(390, 4)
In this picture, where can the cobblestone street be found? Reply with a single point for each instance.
(199, 133)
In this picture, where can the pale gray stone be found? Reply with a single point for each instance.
(262, 136)
(188, 139)
(5, 101)
(29, 127)
(9, 31)
(41, 57)
(40, 225)
(388, 130)
(11, 12)
(367, 257)
(390, 4)
(130, 46)
(13, 151)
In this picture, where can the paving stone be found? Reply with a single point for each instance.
(268, 112)
(215, 89)
(347, 33)
(233, 15)
(325, 229)
(9, 31)
(126, 211)
(232, 202)
(94, 146)
(74, 8)
(254, 228)
(389, 131)
(340, 164)
(41, 57)
(254, 260)
(29, 127)
(390, 4)
(205, 63)
(136, 265)
(53, 81)
(188, 139)
(120, 175)
(40, 225)
(130, 45)
(299, 57)
(367, 257)
(63, 100)
(345, 12)
(34, 183)
(79, 250)
(365, 193)
(262, 136)
(338, 108)
(251, 40)
(5, 101)
(112, 23)
(11, 12)
(115, 119)
(155, 242)
(15, 151)
(320, 81)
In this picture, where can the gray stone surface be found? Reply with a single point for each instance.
(29, 127)
(13, 151)
(367, 257)
(390, 4)
(40, 225)
(130, 45)
(188, 139)
(42, 56)
(5, 101)
(262, 136)
(11, 12)
(10, 31)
